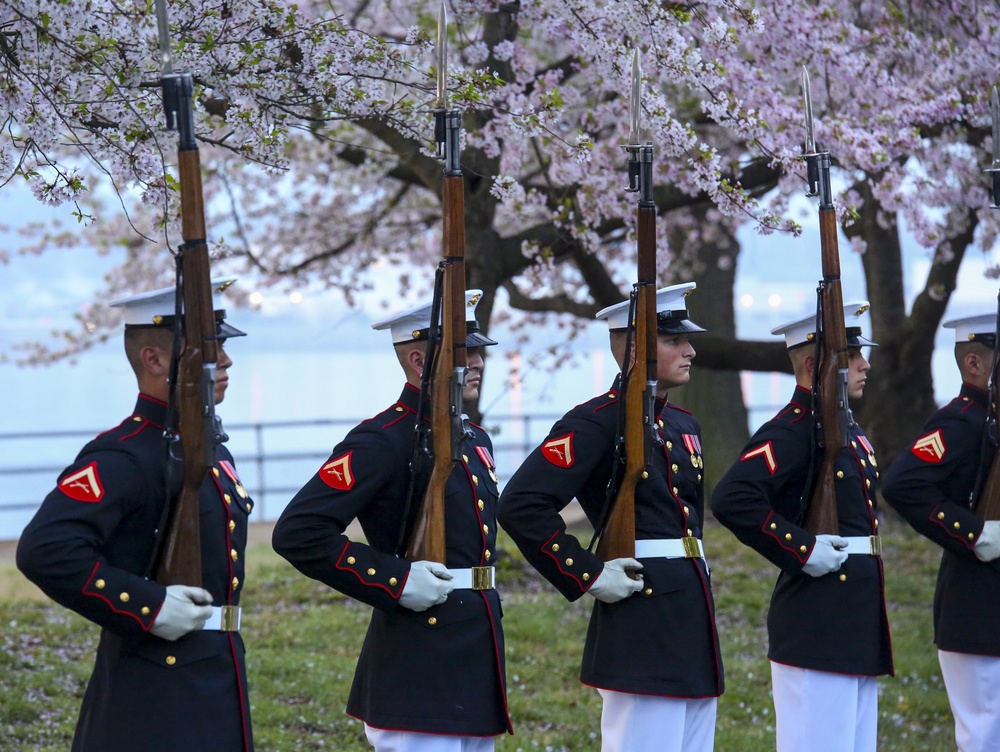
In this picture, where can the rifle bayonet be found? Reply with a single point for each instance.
(441, 103)
(447, 123)
(811, 155)
(635, 104)
(995, 167)
(163, 29)
(640, 156)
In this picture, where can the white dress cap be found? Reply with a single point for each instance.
(803, 331)
(413, 324)
(671, 311)
(156, 308)
(980, 328)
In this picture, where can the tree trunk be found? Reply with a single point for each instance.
(899, 396)
(715, 397)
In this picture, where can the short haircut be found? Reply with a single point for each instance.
(964, 348)
(138, 337)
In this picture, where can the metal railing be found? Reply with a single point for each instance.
(274, 458)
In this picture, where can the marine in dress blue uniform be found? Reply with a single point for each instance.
(932, 484)
(431, 672)
(828, 632)
(652, 648)
(166, 677)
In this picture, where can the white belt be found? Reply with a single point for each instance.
(670, 548)
(224, 619)
(473, 578)
(869, 545)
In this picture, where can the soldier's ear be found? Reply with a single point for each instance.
(155, 360)
(415, 359)
(809, 363)
(975, 364)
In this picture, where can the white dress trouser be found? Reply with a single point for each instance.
(386, 740)
(973, 684)
(646, 723)
(821, 711)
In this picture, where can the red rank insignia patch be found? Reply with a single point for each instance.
(83, 485)
(767, 452)
(559, 451)
(337, 473)
(929, 448)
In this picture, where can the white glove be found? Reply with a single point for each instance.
(613, 585)
(184, 610)
(428, 585)
(826, 556)
(987, 548)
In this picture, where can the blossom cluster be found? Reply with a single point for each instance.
(315, 131)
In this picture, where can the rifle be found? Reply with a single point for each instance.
(191, 446)
(987, 502)
(637, 433)
(443, 379)
(830, 408)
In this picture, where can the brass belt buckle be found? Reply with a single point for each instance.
(229, 619)
(876, 543)
(690, 544)
(482, 578)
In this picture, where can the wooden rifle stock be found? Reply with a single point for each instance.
(179, 560)
(987, 505)
(618, 537)
(821, 512)
(427, 542)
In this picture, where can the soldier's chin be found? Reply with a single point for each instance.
(470, 393)
(679, 380)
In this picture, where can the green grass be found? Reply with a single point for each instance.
(303, 640)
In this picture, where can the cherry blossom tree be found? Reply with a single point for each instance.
(314, 124)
